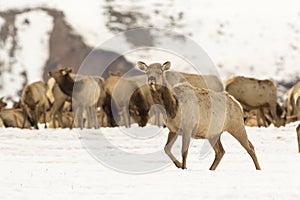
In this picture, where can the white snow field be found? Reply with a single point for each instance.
(53, 164)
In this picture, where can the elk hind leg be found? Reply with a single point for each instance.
(219, 151)
(241, 136)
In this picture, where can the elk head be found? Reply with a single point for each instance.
(154, 71)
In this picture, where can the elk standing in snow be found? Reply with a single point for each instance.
(35, 102)
(197, 113)
(256, 94)
(85, 92)
(58, 100)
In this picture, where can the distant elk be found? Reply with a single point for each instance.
(2, 103)
(59, 101)
(15, 118)
(11, 117)
(85, 92)
(119, 90)
(260, 95)
(35, 102)
(292, 104)
(196, 113)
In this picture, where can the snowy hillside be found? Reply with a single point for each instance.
(255, 38)
(53, 164)
(30, 52)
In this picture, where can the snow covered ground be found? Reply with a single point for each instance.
(53, 164)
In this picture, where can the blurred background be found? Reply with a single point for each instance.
(253, 38)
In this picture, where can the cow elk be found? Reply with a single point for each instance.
(120, 90)
(2, 103)
(35, 102)
(292, 104)
(152, 106)
(197, 113)
(15, 118)
(58, 100)
(257, 95)
(85, 92)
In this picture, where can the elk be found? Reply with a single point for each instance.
(65, 121)
(256, 94)
(292, 104)
(15, 118)
(58, 100)
(209, 81)
(120, 90)
(139, 111)
(35, 102)
(2, 104)
(16, 104)
(197, 113)
(85, 92)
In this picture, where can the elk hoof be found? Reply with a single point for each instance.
(178, 164)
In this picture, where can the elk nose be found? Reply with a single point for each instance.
(151, 80)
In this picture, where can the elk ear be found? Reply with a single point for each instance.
(142, 66)
(166, 66)
(66, 71)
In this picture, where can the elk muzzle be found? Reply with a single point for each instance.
(152, 80)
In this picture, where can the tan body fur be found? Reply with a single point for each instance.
(14, 118)
(292, 104)
(35, 102)
(120, 90)
(255, 94)
(197, 113)
(157, 115)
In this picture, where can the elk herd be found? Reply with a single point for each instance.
(190, 105)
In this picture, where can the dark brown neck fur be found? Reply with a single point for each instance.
(66, 84)
(167, 99)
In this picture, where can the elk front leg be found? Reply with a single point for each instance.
(298, 137)
(36, 117)
(275, 118)
(186, 138)
(45, 120)
(171, 140)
